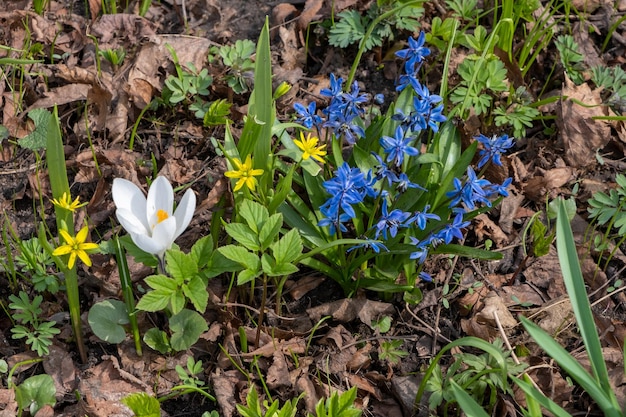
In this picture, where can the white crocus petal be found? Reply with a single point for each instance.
(150, 221)
(127, 196)
(184, 212)
(131, 223)
(160, 197)
(161, 239)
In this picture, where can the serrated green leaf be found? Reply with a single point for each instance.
(142, 404)
(162, 283)
(186, 327)
(254, 214)
(244, 235)
(178, 301)
(202, 250)
(38, 138)
(247, 275)
(281, 270)
(195, 290)
(181, 266)
(107, 318)
(288, 248)
(270, 230)
(241, 255)
(156, 300)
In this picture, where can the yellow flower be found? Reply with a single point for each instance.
(309, 147)
(66, 202)
(75, 247)
(245, 173)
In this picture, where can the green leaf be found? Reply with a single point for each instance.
(35, 392)
(161, 282)
(37, 139)
(270, 230)
(288, 248)
(196, 292)
(154, 301)
(247, 275)
(202, 250)
(466, 402)
(284, 270)
(186, 327)
(254, 214)
(107, 319)
(157, 339)
(180, 265)
(240, 255)
(142, 404)
(243, 234)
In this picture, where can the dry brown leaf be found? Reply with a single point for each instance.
(581, 135)
(525, 293)
(60, 366)
(364, 385)
(8, 405)
(509, 209)
(310, 13)
(224, 384)
(62, 95)
(361, 358)
(485, 228)
(545, 273)
(134, 29)
(547, 183)
(495, 305)
(348, 309)
(278, 372)
(303, 285)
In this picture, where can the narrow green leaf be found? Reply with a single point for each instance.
(538, 396)
(466, 402)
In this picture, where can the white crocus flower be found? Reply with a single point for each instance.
(152, 223)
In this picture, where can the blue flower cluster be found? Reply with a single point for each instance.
(349, 187)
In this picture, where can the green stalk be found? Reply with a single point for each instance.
(127, 291)
(59, 184)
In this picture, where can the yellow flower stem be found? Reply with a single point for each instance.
(55, 157)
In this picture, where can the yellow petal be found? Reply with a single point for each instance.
(62, 250)
(66, 236)
(72, 260)
(84, 257)
(82, 234)
(88, 246)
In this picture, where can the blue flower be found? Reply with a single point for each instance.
(379, 99)
(375, 245)
(353, 100)
(335, 223)
(416, 52)
(492, 148)
(421, 217)
(397, 146)
(421, 250)
(453, 230)
(383, 172)
(307, 116)
(425, 276)
(473, 191)
(343, 126)
(404, 183)
(389, 222)
(496, 189)
(406, 80)
(336, 87)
